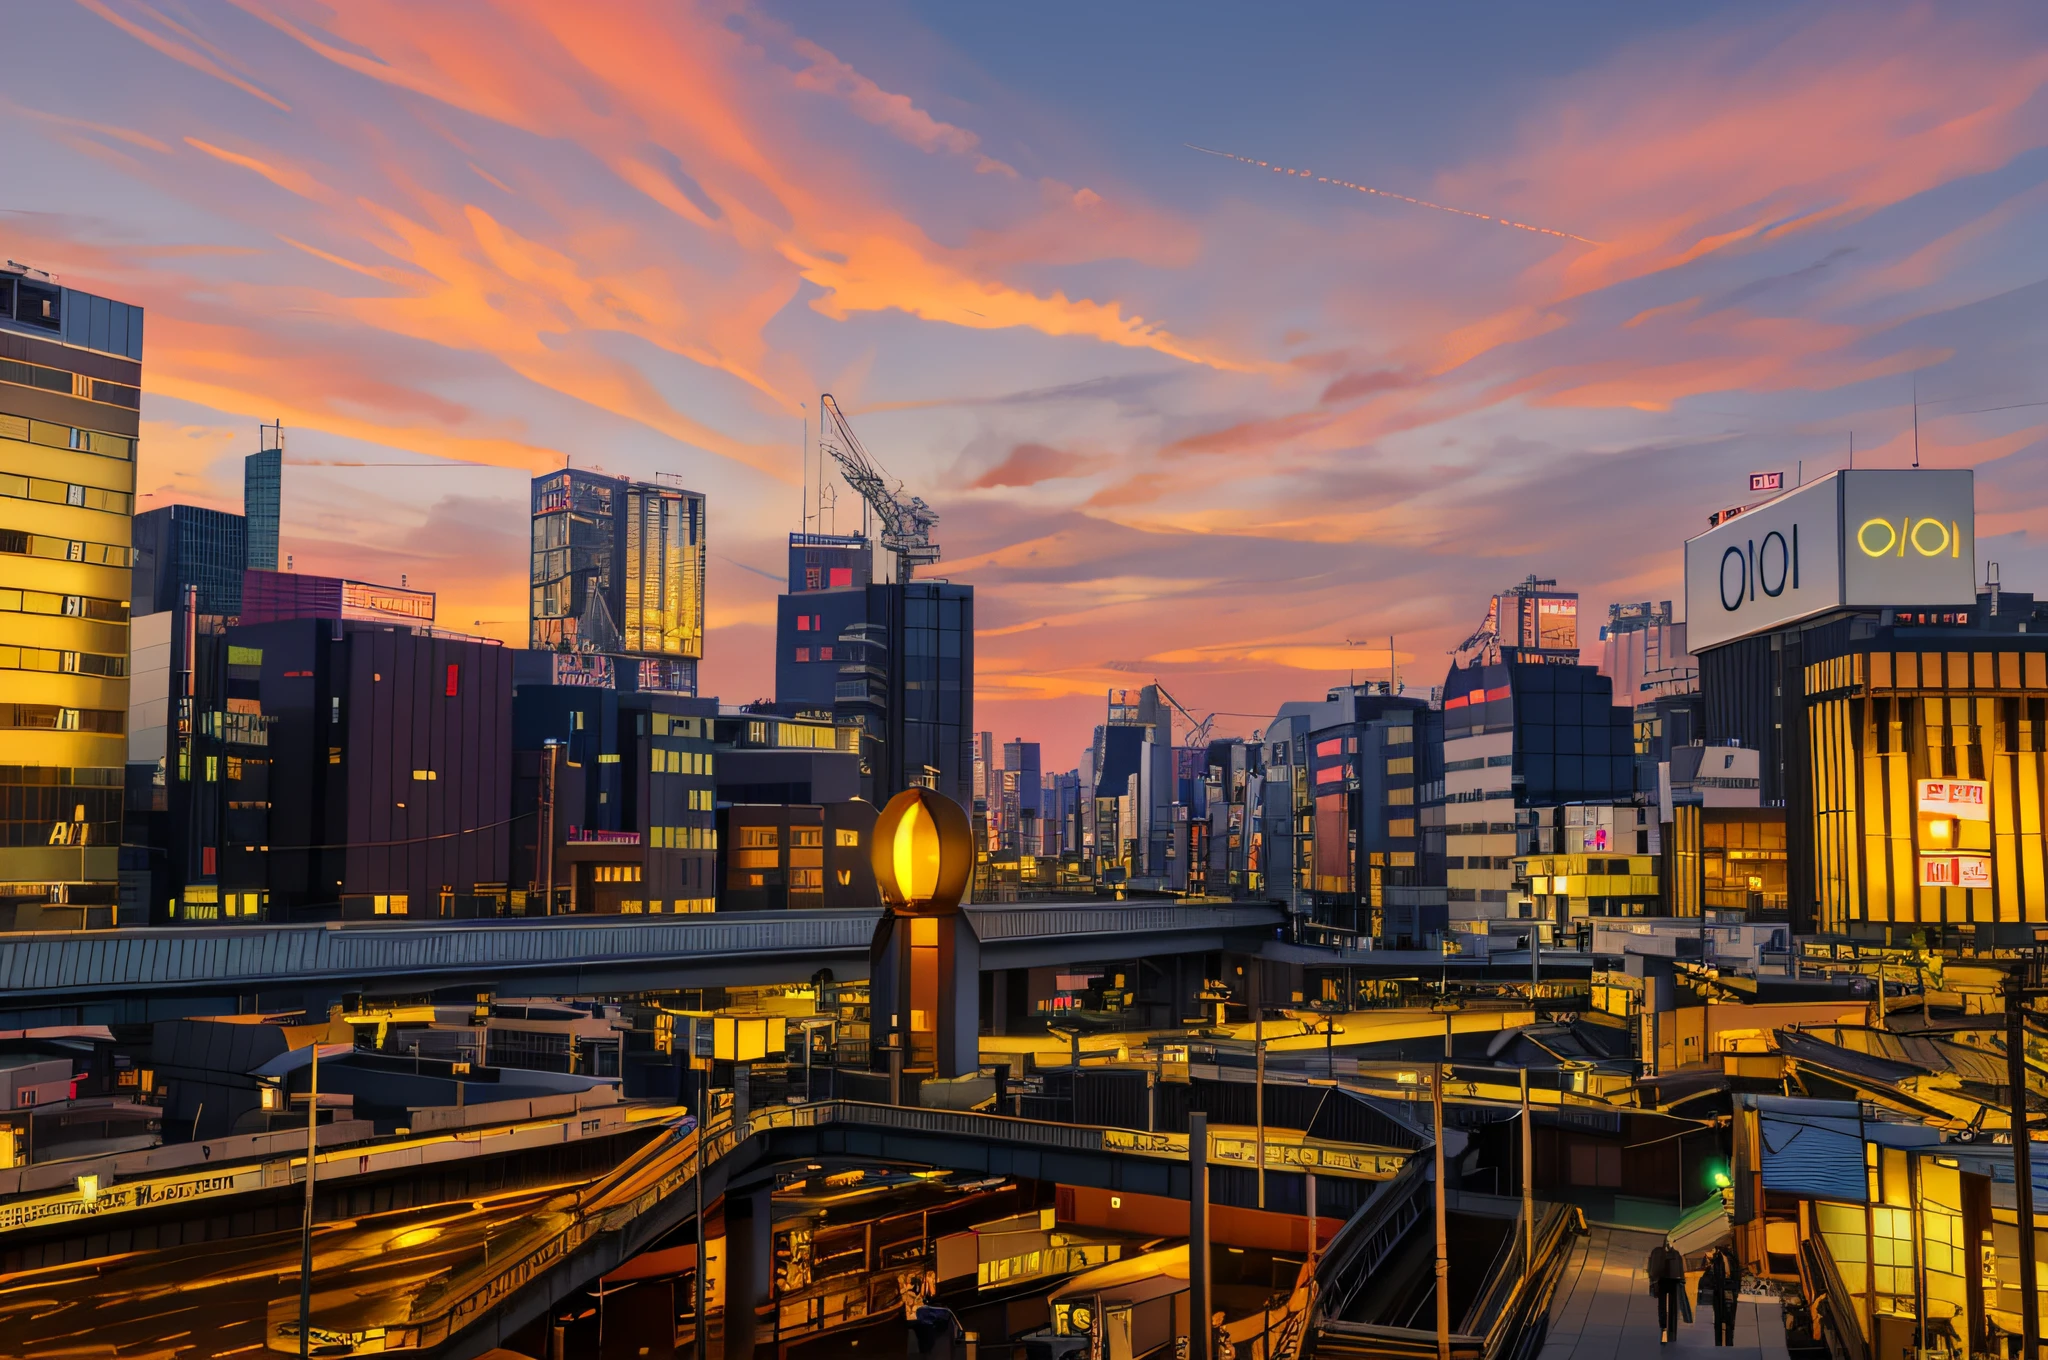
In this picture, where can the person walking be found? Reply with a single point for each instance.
(1666, 1269)
(1720, 1287)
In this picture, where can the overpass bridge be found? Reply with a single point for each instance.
(460, 1278)
(137, 976)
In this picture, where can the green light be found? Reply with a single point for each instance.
(1721, 1181)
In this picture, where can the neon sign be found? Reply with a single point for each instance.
(1909, 531)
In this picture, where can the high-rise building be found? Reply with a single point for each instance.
(70, 395)
(181, 547)
(1899, 705)
(909, 681)
(1021, 797)
(618, 569)
(1520, 737)
(262, 496)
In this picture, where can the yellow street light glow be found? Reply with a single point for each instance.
(414, 1237)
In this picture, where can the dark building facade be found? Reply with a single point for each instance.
(392, 749)
(632, 826)
(908, 684)
(180, 546)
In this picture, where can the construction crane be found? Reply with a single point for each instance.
(906, 520)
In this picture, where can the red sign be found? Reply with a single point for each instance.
(1955, 871)
(1766, 481)
(1966, 799)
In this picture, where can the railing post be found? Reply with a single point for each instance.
(1200, 1337)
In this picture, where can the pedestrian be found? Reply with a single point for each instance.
(1720, 1287)
(1666, 1270)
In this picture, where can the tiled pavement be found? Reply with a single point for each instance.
(1603, 1310)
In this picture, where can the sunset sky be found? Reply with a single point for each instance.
(1186, 416)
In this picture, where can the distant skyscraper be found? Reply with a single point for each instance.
(262, 493)
(70, 394)
(618, 568)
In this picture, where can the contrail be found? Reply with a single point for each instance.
(1388, 193)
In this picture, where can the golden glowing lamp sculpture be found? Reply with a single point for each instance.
(923, 852)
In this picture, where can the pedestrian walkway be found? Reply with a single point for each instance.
(1603, 1309)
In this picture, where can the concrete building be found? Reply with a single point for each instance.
(70, 393)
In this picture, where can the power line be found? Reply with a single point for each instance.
(415, 840)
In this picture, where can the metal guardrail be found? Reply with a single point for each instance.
(666, 1166)
(158, 957)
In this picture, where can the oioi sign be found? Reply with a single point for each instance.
(1868, 538)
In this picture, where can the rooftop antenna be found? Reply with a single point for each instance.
(1916, 420)
(803, 510)
(1852, 450)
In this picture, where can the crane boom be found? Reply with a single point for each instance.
(906, 520)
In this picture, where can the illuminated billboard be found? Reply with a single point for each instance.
(1865, 538)
(1557, 622)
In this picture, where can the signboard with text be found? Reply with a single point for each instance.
(1766, 481)
(1966, 800)
(1955, 871)
(1865, 538)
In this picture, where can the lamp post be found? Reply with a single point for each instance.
(306, 1226)
(922, 850)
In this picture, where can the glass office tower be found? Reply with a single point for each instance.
(262, 496)
(618, 569)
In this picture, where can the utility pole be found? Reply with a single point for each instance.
(1528, 1186)
(703, 1327)
(544, 848)
(306, 1227)
(1259, 1096)
(1443, 1235)
(2022, 1154)
(1201, 1337)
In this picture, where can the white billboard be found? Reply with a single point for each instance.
(1867, 538)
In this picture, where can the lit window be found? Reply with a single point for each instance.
(803, 654)
(845, 837)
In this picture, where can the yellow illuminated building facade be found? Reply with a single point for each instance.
(1577, 887)
(1929, 774)
(70, 377)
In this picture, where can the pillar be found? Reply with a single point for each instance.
(1200, 1338)
(749, 1259)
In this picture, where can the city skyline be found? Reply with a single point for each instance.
(1342, 416)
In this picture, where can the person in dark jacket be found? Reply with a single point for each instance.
(1720, 1287)
(1666, 1270)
